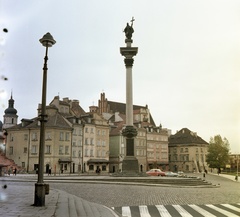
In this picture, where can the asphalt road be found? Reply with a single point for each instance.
(113, 195)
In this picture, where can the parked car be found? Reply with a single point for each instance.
(155, 172)
(171, 174)
(180, 173)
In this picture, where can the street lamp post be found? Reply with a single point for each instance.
(39, 199)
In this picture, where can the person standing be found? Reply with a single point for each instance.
(50, 171)
(15, 171)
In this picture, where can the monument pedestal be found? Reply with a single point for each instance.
(130, 166)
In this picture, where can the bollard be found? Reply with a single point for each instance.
(46, 188)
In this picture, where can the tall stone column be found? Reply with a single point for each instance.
(130, 162)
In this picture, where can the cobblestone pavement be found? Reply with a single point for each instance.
(114, 195)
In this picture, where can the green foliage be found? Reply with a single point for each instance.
(218, 152)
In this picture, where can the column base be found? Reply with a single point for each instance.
(130, 166)
(39, 196)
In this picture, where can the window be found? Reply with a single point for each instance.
(25, 150)
(65, 166)
(67, 137)
(86, 152)
(66, 149)
(91, 153)
(23, 164)
(79, 153)
(86, 141)
(34, 136)
(60, 149)
(74, 153)
(80, 132)
(92, 141)
(98, 132)
(61, 138)
(10, 150)
(34, 149)
(48, 136)
(48, 149)
(91, 167)
(186, 149)
(103, 132)
(104, 167)
(79, 143)
(92, 130)
(25, 137)
(86, 130)
(75, 132)
(181, 150)
(103, 143)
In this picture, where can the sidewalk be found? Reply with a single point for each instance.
(17, 201)
(227, 176)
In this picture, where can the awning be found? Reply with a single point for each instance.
(98, 161)
(64, 160)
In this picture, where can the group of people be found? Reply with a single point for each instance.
(98, 170)
(14, 171)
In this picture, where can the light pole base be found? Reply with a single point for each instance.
(39, 197)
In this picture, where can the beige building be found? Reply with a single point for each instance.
(75, 141)
(187, 152)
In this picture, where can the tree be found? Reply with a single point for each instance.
(218, 152)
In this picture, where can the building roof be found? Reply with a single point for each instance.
(186, 137)
(10, 110)
(121, 108)
(56, 120)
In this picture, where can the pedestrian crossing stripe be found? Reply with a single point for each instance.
(190, 210)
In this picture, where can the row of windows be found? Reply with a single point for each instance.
(63, 136)
(48, 136)
(185, 157)
(90, 153)
(99, 132)
(186, 150)
(162, 155)
(90, 141)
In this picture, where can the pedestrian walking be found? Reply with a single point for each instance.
(50, 171)
(15, 171)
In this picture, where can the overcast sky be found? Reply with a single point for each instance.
(187, 69)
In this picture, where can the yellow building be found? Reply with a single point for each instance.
(187, 152)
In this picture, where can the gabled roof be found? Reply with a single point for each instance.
(56, 120)
(121, 108)
(186, 137)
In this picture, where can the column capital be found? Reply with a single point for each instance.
(128, 62)
(129, 132)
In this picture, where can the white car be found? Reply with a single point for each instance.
(171, 174)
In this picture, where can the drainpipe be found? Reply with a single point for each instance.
(28, 151)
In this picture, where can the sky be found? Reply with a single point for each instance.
(187, 69)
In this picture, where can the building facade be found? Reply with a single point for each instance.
(75, 141)
(187, 152)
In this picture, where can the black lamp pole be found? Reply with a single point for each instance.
(39, 199)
